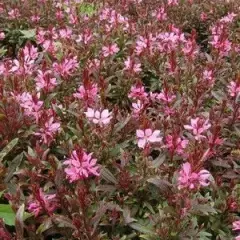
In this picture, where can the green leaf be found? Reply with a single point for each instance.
(7, 214)
(87, 8)
(28, 34)
(8, 148)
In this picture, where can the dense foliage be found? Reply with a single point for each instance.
(120, 119)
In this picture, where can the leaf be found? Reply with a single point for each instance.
(127, 216)
(63, 221)
(158, 161)
(121, 125)
(204, 209)
(218, 95)
(101, 212)
(19, 225)
(107, 175)
(7, 214)
(142, 229)
(8, 148)
(87, 8)
(31, 33)
(13, 166)
(106, 188)
(47, 223)
(163, 185)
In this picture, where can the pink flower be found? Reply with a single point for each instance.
(45, 81)
(223, 45)
(30, 52)
(208, 76)
(49, 130)
(81, 165)
(85, 37)
(176, 144)
(66, 67)
(229, 18)
(65, 33)
(173, 2)
(87, 93)
(101, 118)
(2, 35)
(147, 136)
(110, 50)
(198, 126)
(35, 18)
(191, 180)
(236, 225)
(31, 104)
(203, 16)
(144, 43)
(160, 14)
(43, 202)
(233, 89)
(131, 65)
(93, 65)
(237, 238)
(14, 13)
(138, 92)
(165, 96)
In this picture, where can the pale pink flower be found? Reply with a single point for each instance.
(191, 180)
(237, 238)
(65, 33)
(146, 136)
(81, 166)
(48, 131)
(42, 202)
(131, 65)
(138, 92)
(198, 126)
(99, 117)
(14, 13)
(236, 225)
(110, 50)
(229, 18)
(137, 107)
(233, 89)
(31, 104)
(45, 81)
(87, 93)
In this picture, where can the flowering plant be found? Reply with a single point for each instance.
(119, 119)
